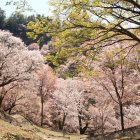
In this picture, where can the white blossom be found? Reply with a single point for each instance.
(16, 62)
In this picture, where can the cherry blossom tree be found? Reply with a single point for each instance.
(103, 113)
(31, 107)
(13, 99)
(72, 104)
(45, 86)
(117, 76)
(67, 98)
(17, 64)
(101, 109)
(4, 91)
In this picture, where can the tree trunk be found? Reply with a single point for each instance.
(81, 128)
(62, 123)
(80, 123)
(2, 96)
(1, 99)
(84, 128)
(121, 115)
(9, 112)
(9, 109)
(42, 111)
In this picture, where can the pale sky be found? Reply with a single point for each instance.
(40, 6)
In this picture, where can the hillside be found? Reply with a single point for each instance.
(132, 133)
(16, 127)
(9, 131)
(27, 131)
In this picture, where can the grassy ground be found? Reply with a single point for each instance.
(28, 131)
(31, 132)
(8, 130)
